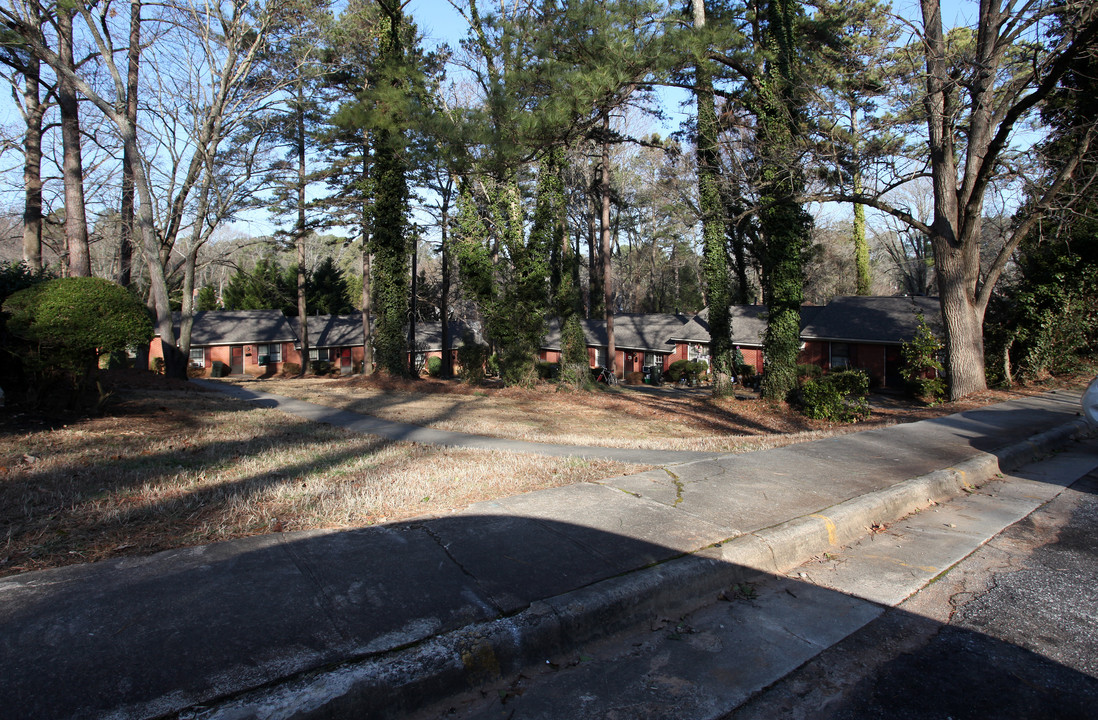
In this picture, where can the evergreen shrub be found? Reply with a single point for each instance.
(807, 371)
(434, 366)
(64, 325)
(472, 357)
(839, 396)
(547, 370)
(922, 369)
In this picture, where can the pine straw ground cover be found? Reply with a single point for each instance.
(168, 466)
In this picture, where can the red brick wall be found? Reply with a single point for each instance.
(753, 356)
(870, 358)
(681, 352)
(815, 353)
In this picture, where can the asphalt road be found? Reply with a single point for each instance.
(1010, 632)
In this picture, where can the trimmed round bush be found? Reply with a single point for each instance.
(74, 320)
(434, 366)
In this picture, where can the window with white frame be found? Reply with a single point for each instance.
(697, 351)
(198, 357)
(324, 354)
(653, 360)
(269, 353)
(600, 357)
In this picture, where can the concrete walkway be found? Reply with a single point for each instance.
(370, 425)
(372, 622)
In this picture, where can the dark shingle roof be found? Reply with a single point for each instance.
(332, 330)
(872, 319)
(346, 331)
(647, 331)
(748, 325)
(237, 327)
(632, 331)
(594, 331)
(429, 335)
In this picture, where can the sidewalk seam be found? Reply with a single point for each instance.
(464, 571)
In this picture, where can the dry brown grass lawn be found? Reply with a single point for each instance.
(619, 417)
(175, 467)
(171, 469)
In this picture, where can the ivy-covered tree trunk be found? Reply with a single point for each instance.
(783, 222)
(444, 305)
(390, 246)
(300, 229)
(390, 256)
(715, 258)
(605, 265)
(861, 246)
(595, 303)
(367, 275)
(413, 367)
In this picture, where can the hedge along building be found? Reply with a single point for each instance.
(252, 342)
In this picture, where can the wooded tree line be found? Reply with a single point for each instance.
(517, 153)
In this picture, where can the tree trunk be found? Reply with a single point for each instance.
(367, 297)
(861, 246)
(963, 323)
(594, 262)
(783, 222)
(186, 314)
(125, 247)
(299, 234)
(367, 324)
(413, 371)
(604, 246)
(174, 362)
(953, 262)
(717, 281)
(447, 359)
(76, 224)
(32, 166)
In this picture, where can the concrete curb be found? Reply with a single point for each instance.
(398, 682)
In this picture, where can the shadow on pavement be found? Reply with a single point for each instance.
(153, 636)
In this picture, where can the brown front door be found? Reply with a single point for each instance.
(236, 366)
